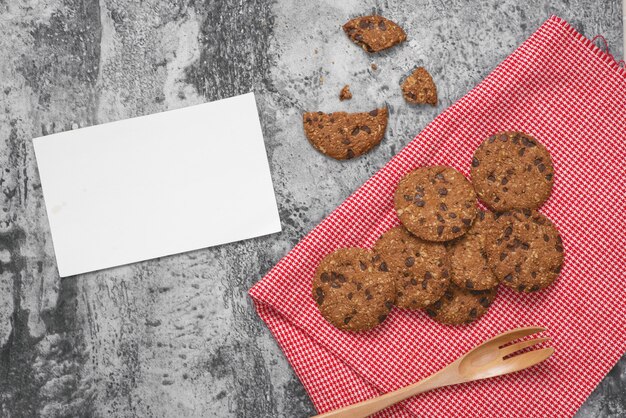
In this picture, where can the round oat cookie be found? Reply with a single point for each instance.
(461, 306)
(468, 259)
(342, 135)
(512, 170)
(525, 250)
(349, 293)
(420, 268)
(435, 203)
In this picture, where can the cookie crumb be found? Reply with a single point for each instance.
(374, 66)
(345, 93)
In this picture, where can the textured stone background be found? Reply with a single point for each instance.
(178, 336)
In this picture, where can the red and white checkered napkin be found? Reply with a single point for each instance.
(563, 90)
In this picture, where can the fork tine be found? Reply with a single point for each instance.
(510, 349)
(526, 360)
(512, 335)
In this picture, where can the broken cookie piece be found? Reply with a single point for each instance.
(345, 93)
(374, 33)
(342, 135)
(419, 88)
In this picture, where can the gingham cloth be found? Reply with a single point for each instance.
(570, 95)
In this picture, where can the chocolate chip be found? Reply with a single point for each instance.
(546, 238)
(491, 177)
(503, 138)
(350, 153)
(319, 292)
(445, 274)
(443, 206)
(359, 286)
(452, 215)
(473, 313)
(518, 268)
(525, 246)
(466, 222)
(374, 112)
(475, 162)
(508, 278)
(381, 25)
(440, 218)
(456, 229)
(559, 248)
(440, 230)
(335, 285)
(408, 198)
(443, 191)
(362, 265)
(341, 278)
(424, 284)
(364, 24)
(521, 287)
(521, 152)
(409, 261)
(437, 305)
(382, 318)
(325, 277)
(534, 288)
(503, 256)
(548, 177)
(538, 161)
(448, 295)
(368, 295)
(469, 284)
(481, 215)
(420, 203)
(431, 313)
(414, 282)
(345, 141)
(347, 319)
(355, 131)
(383, 267)
(388, 304)
(508, 231)
(350, 296)
(484, 302)
(534, 274)
(541, 168)
(366, 129)
(491, 139)
(428, 275)
(504, 181)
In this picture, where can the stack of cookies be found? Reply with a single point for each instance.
(449, 257)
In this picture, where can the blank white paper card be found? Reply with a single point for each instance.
(157, 185)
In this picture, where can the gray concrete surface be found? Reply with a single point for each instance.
(178, 336)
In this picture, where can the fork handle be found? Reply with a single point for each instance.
(371, 406)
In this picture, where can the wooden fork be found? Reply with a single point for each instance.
(494, 357)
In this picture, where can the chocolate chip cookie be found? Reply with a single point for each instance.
(468, 257)
(344, 135)
(461, 306)
(374, 33)
(419, 88)
(512, 170)
(420, 268)
(525, 250)
(435, 203)
(350, 294)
